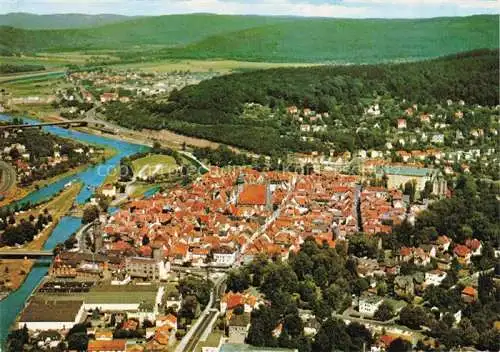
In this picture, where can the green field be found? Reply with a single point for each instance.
(153, 164)
(267, 39)
(221, 66)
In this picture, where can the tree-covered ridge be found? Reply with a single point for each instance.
(266, 38)
(348, 40)
(215, 109)
(10, 68)
(58, 21)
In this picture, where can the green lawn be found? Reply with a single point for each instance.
(212, 341)
(153, 164)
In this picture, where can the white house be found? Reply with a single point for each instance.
(224, 256)
(434, 277)
(109, 190)
(437, 138)
(369, 304)
(51, 315)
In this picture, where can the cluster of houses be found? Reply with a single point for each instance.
(415, 137)
(108, 83)
(27, 166)
(224, 219)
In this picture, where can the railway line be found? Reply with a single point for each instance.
(204, 324)
(7, 177)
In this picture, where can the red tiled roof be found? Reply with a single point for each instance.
(253, 194)
(113, 345)
(470, 291)
(461, 250)
(473, 244)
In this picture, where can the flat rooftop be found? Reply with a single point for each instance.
(39, 310)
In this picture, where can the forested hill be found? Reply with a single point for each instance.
(214, 108)
(350, 41)
(58, 21)
(264, 38)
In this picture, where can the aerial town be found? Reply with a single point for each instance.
(261, 180)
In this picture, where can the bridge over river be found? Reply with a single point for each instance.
(21, 254)
(74, 123)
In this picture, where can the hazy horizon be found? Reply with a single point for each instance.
(397, 9)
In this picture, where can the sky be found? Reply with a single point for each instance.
(316, 8)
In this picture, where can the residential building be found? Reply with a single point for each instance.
(368, 304)
(224, 256)
(434, 277)
(239, 324)
(107, 346)
(147, 268)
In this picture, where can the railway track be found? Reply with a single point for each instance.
(7, 177)
(206, 319)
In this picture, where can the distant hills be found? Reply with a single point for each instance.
(58, 21)
(262, 38)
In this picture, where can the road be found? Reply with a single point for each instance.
(7, 177)
(189, 342)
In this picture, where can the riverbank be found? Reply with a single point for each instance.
(13, 272)
(92, 178)
(16, 192)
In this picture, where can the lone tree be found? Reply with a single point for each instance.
(384, 312)
(90, 213)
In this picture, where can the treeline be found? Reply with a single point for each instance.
(318, 278)
(472, 212)
(213, 109)
(24, 231)
(16, 68)
(222, 156)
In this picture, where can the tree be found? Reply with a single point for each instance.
(78, 341)
(189, 307)
(17, 339)
(90, 213)
(147, 324)
(410, 190)
(263, 321)
(412, 316)
(238, 281)
(399, 345)
(360, 336)
(486, 288)
(384, 312)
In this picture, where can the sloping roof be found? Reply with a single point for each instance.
(253, 194)
(408, 171)
(113, 345)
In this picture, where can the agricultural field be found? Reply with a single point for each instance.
(221, 66)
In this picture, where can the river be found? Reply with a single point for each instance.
(92, 177)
